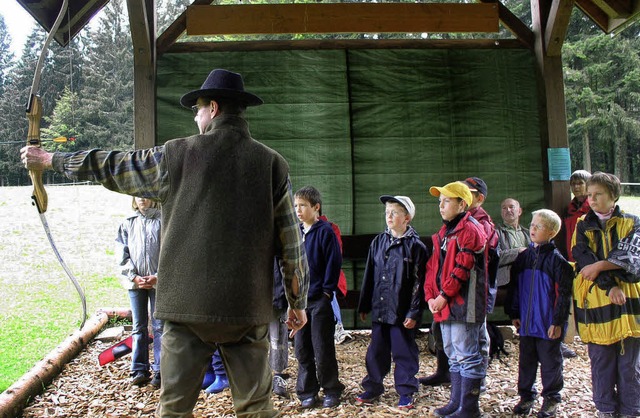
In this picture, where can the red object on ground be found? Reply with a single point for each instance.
(116, 351)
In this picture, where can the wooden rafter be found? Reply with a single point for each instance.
(341, 18)
(177, 28)
(314, 44)
(514, 24)
(615, 8)
(557, 26)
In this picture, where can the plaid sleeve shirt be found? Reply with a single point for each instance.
(144, 173)
(294, 258)
(141, 173)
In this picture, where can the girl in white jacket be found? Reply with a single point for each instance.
(137, 252)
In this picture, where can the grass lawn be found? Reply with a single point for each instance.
(40, 307)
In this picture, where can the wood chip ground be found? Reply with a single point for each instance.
(85, 389)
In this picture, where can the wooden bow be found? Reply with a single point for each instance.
(39, 196)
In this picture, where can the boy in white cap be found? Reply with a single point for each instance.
(392, 291)
(456, 292)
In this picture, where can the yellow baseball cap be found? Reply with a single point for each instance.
(455, 189)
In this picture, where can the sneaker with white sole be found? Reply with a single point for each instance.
(366, 397)
(406, 402)
(341, 335)
(280, 386)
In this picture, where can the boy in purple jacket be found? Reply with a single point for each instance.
(538, 303)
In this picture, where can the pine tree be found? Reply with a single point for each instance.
(602, 81)
(106, 103)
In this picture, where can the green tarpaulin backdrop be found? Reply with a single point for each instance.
(360, 123)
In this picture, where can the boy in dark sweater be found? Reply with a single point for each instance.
(314, 343)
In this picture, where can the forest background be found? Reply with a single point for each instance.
(87, 88)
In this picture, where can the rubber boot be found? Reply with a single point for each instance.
(454, 398)
(441, 375)
(469, 405)
(483, 384)
(209, 378)
(218, 385)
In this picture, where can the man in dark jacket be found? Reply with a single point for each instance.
(226, 202)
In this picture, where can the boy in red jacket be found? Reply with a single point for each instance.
(456, 292)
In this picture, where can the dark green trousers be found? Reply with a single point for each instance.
(186, 351)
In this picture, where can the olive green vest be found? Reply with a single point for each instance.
(218, 233)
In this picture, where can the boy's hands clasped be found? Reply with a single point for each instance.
(437, 304)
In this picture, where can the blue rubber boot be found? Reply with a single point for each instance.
(469, 406)
(209, 378)
(218, 385)
(454, 399)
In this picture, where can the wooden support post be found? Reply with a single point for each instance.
(553, 130)
(553, 118)
(142, 19)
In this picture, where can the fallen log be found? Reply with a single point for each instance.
(32, 383)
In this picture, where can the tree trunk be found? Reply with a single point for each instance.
(586, 150)
(620, 157)
(32, 383)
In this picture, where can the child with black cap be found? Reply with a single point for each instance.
(392, 290)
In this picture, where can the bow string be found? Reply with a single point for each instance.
(34, 115)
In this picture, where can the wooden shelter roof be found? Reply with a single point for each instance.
(545, 37)
(609, 15)
(79, 13)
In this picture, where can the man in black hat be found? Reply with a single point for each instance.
(226, 212)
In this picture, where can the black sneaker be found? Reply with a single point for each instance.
(139, 378)
(331, 401)
(156, 381)
(309, 402)
(523, 407)
(549, 406)
(566, 351)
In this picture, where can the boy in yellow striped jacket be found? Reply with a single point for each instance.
(606, 247)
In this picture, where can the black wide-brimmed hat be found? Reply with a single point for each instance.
(222, 84)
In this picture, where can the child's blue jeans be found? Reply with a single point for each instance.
(461, 342)
(143, 303)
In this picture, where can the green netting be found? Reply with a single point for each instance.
(305, 115)
(428, 117)
(361, 123)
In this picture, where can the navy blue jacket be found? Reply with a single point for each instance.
(324, 257)
(393, 283)
(539, 290)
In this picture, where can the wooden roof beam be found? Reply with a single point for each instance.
(341, 18)
(557, 26)
(608, 18)
(615, 8)
(514, 24)
(596, 14)
(169, 37)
